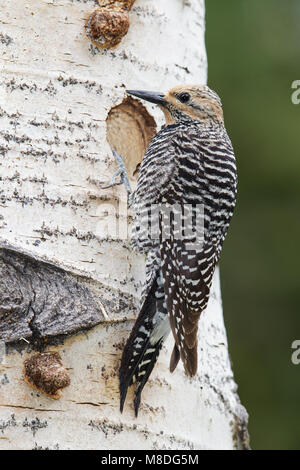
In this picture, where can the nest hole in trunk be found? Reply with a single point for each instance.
(130, 128)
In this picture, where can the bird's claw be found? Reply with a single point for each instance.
(120, 172)
(113, 181)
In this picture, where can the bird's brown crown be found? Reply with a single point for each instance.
(192, 102)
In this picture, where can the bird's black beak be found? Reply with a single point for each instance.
(152, 96)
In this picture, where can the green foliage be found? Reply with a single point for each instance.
(253, 58)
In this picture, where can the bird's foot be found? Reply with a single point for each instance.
(120, 172)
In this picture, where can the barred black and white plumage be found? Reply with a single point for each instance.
(190, 164)
(145, 341)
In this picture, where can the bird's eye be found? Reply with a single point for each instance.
(184, 97)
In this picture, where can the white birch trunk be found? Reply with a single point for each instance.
(58, 274)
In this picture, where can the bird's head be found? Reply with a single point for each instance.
(186, 103)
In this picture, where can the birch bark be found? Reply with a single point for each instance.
(68, 274)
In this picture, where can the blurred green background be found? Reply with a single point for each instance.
(253, 49)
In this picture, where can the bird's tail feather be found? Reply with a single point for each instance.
(175, 356)
(184, 324)
(150, 359)
(144, 343)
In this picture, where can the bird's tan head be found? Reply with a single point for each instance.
(186, 103)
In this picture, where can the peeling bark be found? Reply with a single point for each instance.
(69, 282)
(39, 300)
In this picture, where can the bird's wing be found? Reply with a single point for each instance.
(157, 172)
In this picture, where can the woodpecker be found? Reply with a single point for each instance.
(190, 163)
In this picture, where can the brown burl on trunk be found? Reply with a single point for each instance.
(46, 373)
(108, 24)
